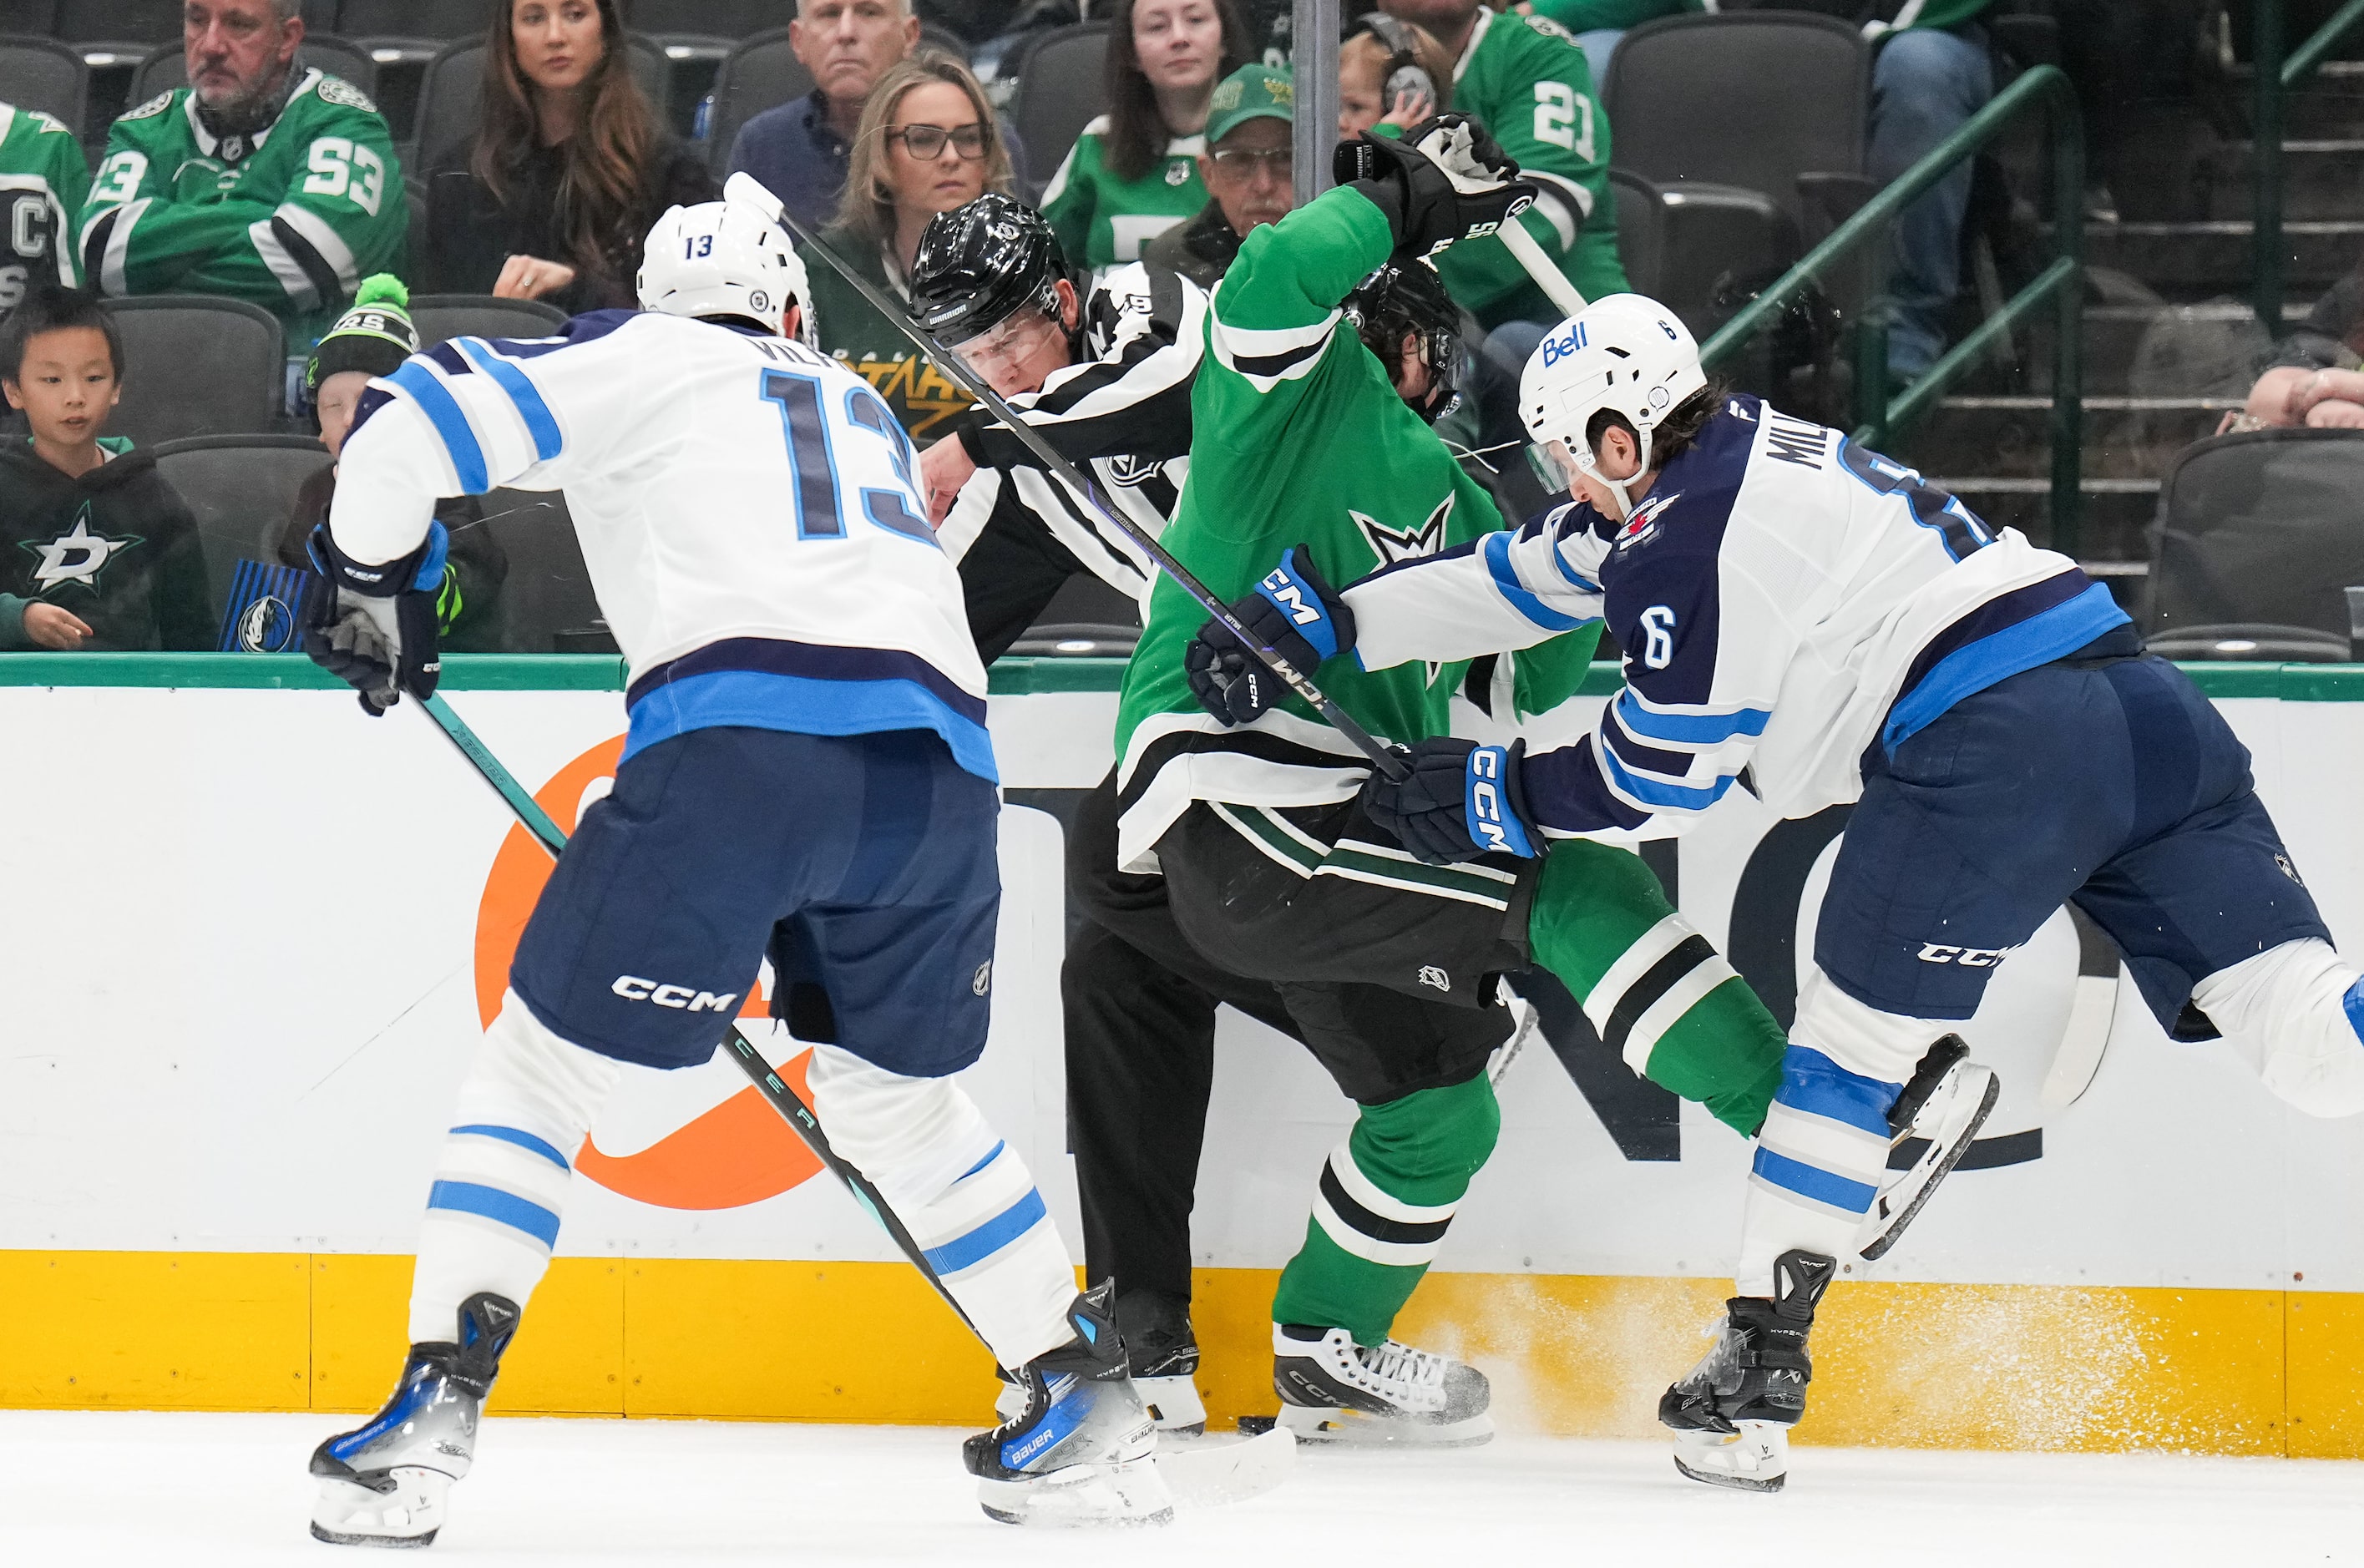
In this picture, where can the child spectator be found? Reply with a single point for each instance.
(42, 182)
(1134, 172)
(555, 196)
(1368, 66)
(263, 179)
(371, 340)
(927, 144)
(1247, 169)
(98, 553)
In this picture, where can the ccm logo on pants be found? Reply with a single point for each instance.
(632, 988)
(1968, 958)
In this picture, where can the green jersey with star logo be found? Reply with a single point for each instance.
(117, 548)
(43, 178)
(1103, 219)
(290, 218)
(1299, 436)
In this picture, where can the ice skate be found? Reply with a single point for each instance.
(1334, 1390)
(1733, 1412)
(1164, 1355)
(1083, 1451)
(1947, 1103)
(386, 1483)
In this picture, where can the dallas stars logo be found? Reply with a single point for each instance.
(77, 556)
(1391, 545)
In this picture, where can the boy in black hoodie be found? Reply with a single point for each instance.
(98, 553)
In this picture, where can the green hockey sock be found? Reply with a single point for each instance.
(1660, 995)
(1387, 1195)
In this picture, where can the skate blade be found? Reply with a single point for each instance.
(1360, 1428)
(1901, 1203)
(345, 1514)
(1174, 1404)
(1754, 1459)
(1079, 1496)
(1213, 1472)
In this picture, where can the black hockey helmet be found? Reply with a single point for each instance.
(1407, 298)
(980, 264)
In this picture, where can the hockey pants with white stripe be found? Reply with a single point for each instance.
(528, 1104)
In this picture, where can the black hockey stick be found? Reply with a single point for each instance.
(1383, 759)
(775, 1089)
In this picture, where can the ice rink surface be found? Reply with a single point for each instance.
(179, 1491)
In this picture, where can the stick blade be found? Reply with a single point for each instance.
(1211, 1474)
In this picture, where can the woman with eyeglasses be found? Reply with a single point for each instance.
(1134, 172)
(927, 144)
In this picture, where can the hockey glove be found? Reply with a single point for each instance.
(1444, 181)
(1460, 800)
(1293, 612)
(375, 626)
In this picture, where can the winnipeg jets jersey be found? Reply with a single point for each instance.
(1785, 598)
(1122, 416)
(746, 508)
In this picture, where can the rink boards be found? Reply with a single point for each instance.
(251, 936)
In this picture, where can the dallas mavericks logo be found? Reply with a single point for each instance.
(267, 627)
(262, 613)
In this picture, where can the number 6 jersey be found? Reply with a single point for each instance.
(745, 506)
(1785, 599)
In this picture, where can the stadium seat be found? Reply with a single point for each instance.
(198, 365)
(2254, 546)
(761, 73)
(1640, 231)
(547, 605)
(41, 74)
(452, 96)
(440, 316)
(715, 22)
(438, 19)
(1739, 208)
(243, 492)
(117, 31)
(1062, 87)
(166, 66)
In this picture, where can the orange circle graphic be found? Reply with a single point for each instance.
(741, 1151)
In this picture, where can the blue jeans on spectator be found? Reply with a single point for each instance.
(1492, 383)
(1599, 44)
(1925, 83)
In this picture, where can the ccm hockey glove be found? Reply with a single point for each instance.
(1461, 800)
(373, 627)
(1445, 180)
(1293, 612)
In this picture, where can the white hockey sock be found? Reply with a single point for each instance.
(2296, 1013)
(500, 1185)
(966, 1196)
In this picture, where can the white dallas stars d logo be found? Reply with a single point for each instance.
(1391, 545)
(76, 557)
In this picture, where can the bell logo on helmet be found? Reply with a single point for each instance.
(1558, 348)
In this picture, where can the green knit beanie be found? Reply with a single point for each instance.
(374, 335)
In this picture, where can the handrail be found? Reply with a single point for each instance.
(2062, 285)
(2275, 78)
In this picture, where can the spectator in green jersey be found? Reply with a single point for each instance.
(42, 182)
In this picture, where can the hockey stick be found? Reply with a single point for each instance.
(1381, 758)
(1550, 279)
(782, 1099)
(1205, 1477)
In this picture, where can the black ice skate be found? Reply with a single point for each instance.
(1731, 1413)
(1082, 1451)
(1946, 1104)
(1164, 1352)
(1334, 1390)
(386, 1483)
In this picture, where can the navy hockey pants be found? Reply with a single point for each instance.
(2109, 782)
(865, 864)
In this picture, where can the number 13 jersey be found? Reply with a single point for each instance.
(746, 508)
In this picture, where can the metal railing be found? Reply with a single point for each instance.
(2062, 285)
(2277, 77)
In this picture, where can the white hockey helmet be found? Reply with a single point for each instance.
(725, 257)
(1623, 353)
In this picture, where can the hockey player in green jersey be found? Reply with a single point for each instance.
(43, 178)
(266, 180)
(1329, 349)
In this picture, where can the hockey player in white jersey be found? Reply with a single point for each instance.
(806, 771)
(1800, 606)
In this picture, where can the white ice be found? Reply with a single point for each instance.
(180, 1491)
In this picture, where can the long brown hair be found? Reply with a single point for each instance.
(867, 207)
(598, 198)
(1138, 134)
